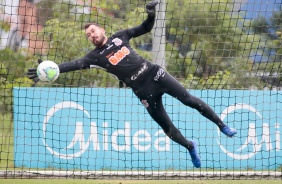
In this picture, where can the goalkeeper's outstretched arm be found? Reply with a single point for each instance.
(77, 64)
(148, 24)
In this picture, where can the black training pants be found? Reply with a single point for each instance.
(150, 94)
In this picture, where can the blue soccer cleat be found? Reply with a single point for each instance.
(194, 155)
(229, 132)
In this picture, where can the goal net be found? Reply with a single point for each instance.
(87, 124)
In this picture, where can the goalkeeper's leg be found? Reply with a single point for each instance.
(158, 113)
(175, 89)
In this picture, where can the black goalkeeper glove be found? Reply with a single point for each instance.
(151, 8)
(32, 73)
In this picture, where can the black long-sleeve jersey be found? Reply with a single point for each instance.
(117, 56)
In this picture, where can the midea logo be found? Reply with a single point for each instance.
(79, 136)
(141, 140)
(252, 137)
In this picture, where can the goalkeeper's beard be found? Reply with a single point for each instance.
(100, 41)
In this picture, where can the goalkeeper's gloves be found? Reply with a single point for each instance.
(32, 73)
(151, 8)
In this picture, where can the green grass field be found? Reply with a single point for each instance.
(77, 181)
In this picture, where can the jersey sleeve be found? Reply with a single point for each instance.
(78, 64)
(145, 27)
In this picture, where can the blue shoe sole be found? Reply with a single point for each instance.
(229, 132)
(196, 160)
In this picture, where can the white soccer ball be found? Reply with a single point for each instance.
(48, 71)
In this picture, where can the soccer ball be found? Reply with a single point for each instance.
(48, 71)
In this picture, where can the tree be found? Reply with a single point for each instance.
(217, 41)
(205, 41)
(270, 32)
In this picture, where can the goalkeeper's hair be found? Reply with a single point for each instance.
(91, 23)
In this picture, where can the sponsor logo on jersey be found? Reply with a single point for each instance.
(108, 47)
(145, 103)
(102, 51)
(117, 41)
(119, 55)
(109, 55)
(140, 71)
(160, 73)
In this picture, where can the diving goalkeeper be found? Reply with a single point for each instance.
(147, 80)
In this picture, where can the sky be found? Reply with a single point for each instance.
(255, 8)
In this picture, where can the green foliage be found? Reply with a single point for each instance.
(12, 74)
(223, 80)
(270, 33)
(50, 9)
(6, 141)
(5, 26)
(215, 41)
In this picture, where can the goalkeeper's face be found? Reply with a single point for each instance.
(96, 35)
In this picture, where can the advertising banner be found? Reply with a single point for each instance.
(109, 129)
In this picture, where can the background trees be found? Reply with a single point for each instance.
(215, 45)
(207, 45)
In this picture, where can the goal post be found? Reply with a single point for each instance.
(84, 125)
(158, 34)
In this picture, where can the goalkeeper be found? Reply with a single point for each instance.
(147, 80)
